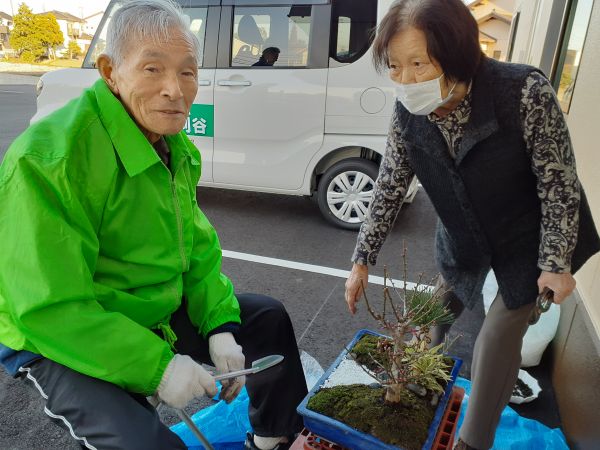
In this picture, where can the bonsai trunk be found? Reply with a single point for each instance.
(395, 389)
(393, 393)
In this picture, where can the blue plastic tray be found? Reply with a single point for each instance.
(340, 433)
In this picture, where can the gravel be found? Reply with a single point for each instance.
(349, 372)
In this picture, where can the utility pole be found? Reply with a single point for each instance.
(12, 8)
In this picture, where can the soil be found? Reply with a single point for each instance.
(522, 390)
(362, 407)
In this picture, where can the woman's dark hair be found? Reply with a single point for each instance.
(450, 29)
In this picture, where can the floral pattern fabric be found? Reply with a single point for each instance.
(552, 161)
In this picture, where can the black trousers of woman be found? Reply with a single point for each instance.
(101, 415)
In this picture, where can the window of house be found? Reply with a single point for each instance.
(352, 27)
(274, 36)
(197, 26)
(573, 40)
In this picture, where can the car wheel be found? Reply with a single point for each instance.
(344, 192)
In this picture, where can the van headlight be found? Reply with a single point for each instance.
(39, 86)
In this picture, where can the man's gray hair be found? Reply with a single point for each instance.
(135, 20)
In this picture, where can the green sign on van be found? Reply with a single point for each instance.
(200, 122)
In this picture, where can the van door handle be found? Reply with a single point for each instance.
(203, 82)
(234, 83)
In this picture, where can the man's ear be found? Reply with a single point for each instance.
(106, 67)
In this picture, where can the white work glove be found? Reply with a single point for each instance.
(227, 356)
(183, 380)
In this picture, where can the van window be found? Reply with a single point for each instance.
(277, 36)
(352, 27)
(197, 25)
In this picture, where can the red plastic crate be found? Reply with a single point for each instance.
(444, 439)
(308, 441)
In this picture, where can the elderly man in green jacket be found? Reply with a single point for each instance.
(110, 275)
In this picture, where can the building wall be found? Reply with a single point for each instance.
(92, 23)
(494, 27)
(64, 27)
(528, 45)
(507, 5)
(582, 120)
(487, 7)
(576, 347)
(500, 30)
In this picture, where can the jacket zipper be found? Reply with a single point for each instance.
(179, 220)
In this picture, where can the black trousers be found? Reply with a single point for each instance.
(101, 415)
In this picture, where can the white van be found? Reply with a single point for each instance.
(311, 120)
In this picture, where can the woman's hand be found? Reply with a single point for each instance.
(359, 276)
(562, 284)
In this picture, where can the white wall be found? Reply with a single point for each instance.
(583, 125)
(532, 31)
(92, 23)
(507, 5)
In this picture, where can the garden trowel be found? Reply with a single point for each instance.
(257, 366)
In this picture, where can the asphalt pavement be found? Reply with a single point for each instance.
(264, 237)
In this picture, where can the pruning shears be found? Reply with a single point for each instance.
(542, 304)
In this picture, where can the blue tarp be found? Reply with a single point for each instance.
(225, 427)
(515, 432)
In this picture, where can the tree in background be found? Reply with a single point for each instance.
(74, 49)
(22, 37)
(49, 32)
(34, 36)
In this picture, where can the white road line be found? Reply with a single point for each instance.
(11, 92)
(399, 284)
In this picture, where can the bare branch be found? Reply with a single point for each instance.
(371, 311)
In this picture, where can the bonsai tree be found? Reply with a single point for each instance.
(406, 361)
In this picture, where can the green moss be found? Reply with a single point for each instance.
(362, 407)
(366, 349)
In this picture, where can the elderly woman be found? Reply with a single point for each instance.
(490, 145)
(110, 275)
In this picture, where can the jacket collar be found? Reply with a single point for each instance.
(420, 132)
(134, 150)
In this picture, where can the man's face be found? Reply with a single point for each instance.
(157, 83)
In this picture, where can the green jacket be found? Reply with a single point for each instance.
(100, 241)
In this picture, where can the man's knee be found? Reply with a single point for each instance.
(264, 305)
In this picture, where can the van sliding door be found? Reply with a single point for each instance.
(270, 93)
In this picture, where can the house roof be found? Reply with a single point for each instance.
(93, 15)
(60, 15)
(484, 37)
(3, 15)
(495, 15)
(86, 37)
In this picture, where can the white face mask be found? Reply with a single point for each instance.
(422, 98)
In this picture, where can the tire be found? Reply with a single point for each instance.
(344, 192)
